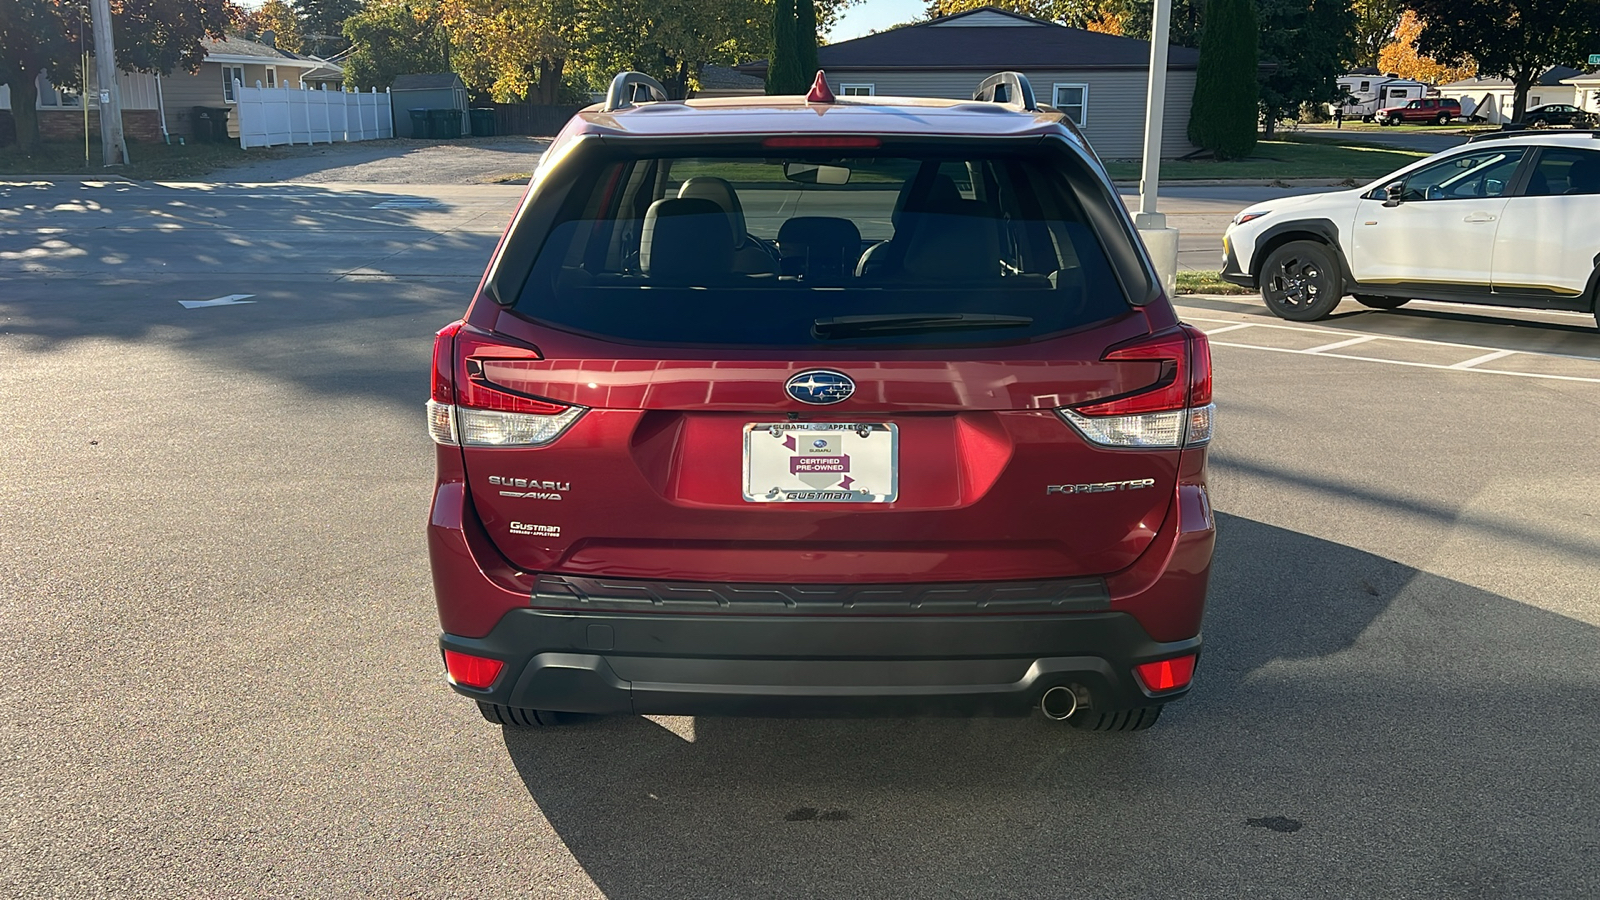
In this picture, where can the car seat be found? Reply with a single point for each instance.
(750, 255)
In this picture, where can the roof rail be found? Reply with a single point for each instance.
(625, 87)
(1523, 131)
(1010, 88)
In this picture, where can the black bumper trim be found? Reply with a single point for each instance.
(1231, 272)
(637, 595)
(813, 665)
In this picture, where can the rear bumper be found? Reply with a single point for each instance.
(674, 664)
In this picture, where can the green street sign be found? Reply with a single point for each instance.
(1594, 59)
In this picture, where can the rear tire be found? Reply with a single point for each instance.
(1443, 119)
(1137, 719)
(517, 717)
(1376, 302)
(1301, 281)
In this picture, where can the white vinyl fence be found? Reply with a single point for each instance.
(283, 115)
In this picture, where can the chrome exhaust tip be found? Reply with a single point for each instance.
(1059, 703)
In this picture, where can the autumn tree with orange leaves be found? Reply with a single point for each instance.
(1401, 57)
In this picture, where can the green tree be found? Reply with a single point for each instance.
(394, 37)
(322, 25)
(1375, 24)
(805, 39)
(1222, 117)
(1307, 45)
(1515, 39)
(783, 65)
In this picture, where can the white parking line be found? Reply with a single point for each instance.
(1480, 354)
(1487, 357)
(1337, 344)
(1229, 328)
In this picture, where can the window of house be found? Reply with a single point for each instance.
(1073, 101)
(1366, 86)
(52, 96)
(858, 90)
(272, 76)
(230, 74)
(1533, 101)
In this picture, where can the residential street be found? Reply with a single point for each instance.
(221, 631)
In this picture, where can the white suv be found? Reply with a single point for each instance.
(1509, 219)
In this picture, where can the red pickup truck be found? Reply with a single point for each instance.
(1438, 110)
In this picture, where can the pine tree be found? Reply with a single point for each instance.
(806, 42)
(1226, 104)
(782, 66)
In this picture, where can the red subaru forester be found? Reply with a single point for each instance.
(821, 406)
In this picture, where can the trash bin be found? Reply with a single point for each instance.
(209, 123)
(483, 123)
(419, 123)
(444, 123)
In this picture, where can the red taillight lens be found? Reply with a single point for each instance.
(1199, 366)
(1171, 390)
(483, 413)
(802, 142)
(1166, 675)
(442, 381)
(472, 671)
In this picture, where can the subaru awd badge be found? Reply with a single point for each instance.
(820, 387)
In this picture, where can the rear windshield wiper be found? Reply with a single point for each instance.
(911, 323)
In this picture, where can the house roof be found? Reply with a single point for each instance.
(1550, 78)
(1584, 78)
(722, 78)
(433, 81)
(237, 49)
(977, 40)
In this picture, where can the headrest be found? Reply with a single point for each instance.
(941, 194)
(720, 192)
(961, 243)
(819, 231)
(686, 241)
(1584, 176)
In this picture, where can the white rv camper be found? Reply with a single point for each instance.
(1366, 93)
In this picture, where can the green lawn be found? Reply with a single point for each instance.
(152, 162)
(1207, 283)
(1292, 157)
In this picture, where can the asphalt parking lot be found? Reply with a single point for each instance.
(220, 626)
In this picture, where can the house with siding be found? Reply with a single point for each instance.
(156, 105)
(1494, 99)
(1098, 80)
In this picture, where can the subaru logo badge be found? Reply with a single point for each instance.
(820, 387)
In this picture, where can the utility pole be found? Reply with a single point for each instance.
(1158, 238)
(112, 145)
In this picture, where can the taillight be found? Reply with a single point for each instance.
(472, 671)
(1166, 675)
(1176, 411)
(475, 412)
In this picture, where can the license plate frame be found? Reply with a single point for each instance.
(822, 463)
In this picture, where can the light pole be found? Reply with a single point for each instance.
(1161, 240)
(112, 145)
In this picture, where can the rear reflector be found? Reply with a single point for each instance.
(1166, 675)
(472, 671)
(801, 142)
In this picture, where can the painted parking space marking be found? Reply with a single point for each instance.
(1339, 344)
(1487, 357)
(1468, 358)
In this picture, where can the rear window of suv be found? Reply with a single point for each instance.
(813, 251)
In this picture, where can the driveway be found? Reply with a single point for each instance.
(398, 161)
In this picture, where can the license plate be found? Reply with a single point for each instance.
(821, 462)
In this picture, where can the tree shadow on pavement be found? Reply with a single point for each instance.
(1359, 729)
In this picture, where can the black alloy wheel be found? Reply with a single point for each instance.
(1301, 281)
